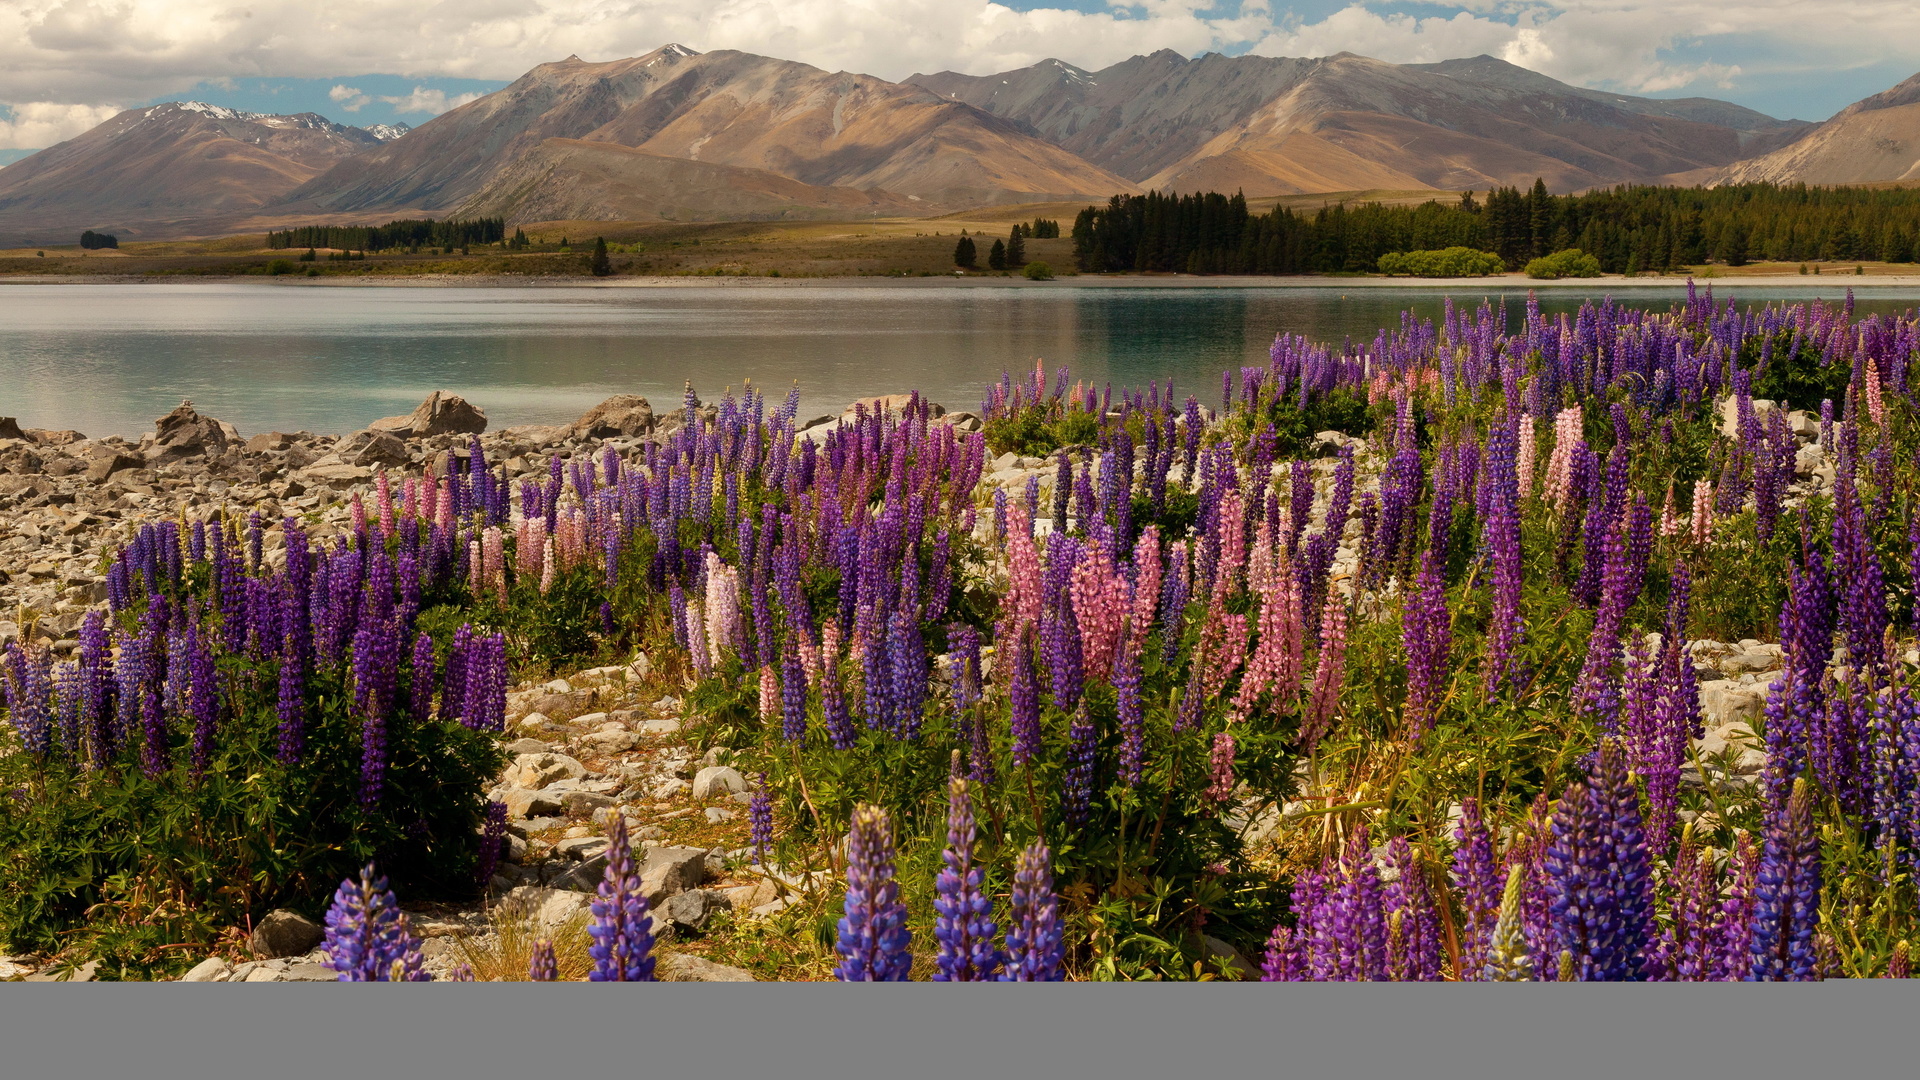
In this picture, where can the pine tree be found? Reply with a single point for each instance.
(963, 253)
(602, 266)
(997, 255)
(1016, 248)
(1540, 209)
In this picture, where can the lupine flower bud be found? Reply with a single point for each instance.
(963, 923)
(367, 937)
(873, 932)
(622, 948)
(1033, 937)
(542, 966)
(1786, 911)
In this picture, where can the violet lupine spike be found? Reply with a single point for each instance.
(1130, 714)
(367, 939)
(291, 710)
(491, 838)
(1694, 932)
(1414, 924)
(204, 690)
(1786, 909)
(622, 948)
(760, 822)
(1476, 876)
(1282, 960)
(1076, 787)
(963, 922)
(542, 966)
(873, 936)
(1033, 931)
(1427, 635)
(1603, 902)
(1358, 925)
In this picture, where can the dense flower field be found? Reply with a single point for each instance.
(1389, 668)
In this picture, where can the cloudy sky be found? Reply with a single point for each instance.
(65, 65)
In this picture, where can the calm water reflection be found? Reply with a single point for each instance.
(109, 358)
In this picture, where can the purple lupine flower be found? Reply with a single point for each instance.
(1503, 548)
(1689, 945)
(1413, 939)
(367, 937)
(491, 839)
(1427, 634)
(1033, 933)
(1358, 925)
(1786, 909)
(907, 662)
(422, 680)
(1282, 961)
(28, 686)
(542, 966)
(96, 689)
(1733, 950)
(760, 817)
(203, 697)
(1061, 651)
(873, 932)
(833, 705)
(291, 709)
(1076, 787)
(1129, 712)
(1477, 877)
(793, 692)
(1602, 877)
(622, 948)
(964, 914)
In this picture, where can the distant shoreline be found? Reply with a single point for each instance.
(1501, 282)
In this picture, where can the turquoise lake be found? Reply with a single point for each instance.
(109, 358)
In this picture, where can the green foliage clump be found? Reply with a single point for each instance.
(1570, 263)
(1450, 262)
(114, 863)
(1039, 271)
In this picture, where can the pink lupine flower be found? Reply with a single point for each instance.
(1329, 676)
(1146, 583)
(1566, 439)
(1528, 448)
(1702, 511)
(1023, 571)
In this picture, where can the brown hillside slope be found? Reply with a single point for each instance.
(574, 180)
(179, 160)
(1283, 125)
(1874, 139)
(830, 129)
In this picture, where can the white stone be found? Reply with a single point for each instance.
(213, 967)
(717, 780)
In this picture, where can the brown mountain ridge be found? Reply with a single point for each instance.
(677, 135)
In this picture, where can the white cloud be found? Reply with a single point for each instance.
(350, 98)
(423, 100)
(101, 51)
(39, 124)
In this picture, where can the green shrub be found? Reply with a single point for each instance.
(115, 863)
(1039, 271)
(1444, 263)
(280, 266)
(1564, 264)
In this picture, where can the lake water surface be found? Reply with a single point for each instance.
(109, 358)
